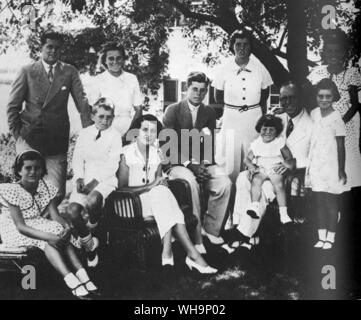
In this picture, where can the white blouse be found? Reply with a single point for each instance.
(139, 173)
(244, 87)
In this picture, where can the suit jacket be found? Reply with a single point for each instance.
(299, 140)
(44, 122)
(178, 116)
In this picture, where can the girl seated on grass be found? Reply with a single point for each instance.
(22, 224)
(268, 159)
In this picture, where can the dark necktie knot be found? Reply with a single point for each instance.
(98, 135)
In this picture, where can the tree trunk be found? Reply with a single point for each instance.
(297, 40)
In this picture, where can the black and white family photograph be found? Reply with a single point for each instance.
(180, 150)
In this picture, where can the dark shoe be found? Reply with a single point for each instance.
(96, 292)
(234, 235)
(86, 297)
(252, 214)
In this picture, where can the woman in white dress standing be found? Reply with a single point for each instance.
(243, 86)
(121, 87)
(140, 171)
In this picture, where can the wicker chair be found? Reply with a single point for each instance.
(15, 258)
(127, 228)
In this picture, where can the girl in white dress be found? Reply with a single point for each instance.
(22, 224)
(348, 82)
(268, 159)
(325, 173)
(140, 172)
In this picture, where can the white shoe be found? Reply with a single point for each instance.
(319, 244)
(327, 245)
(203, 270)
(228, 248)
(246, 245)
(200, 248)
(93, 263)
(168, 261)
(214, 239)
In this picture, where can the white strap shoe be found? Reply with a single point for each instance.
(203, 270)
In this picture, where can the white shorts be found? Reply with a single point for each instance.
(104, 189)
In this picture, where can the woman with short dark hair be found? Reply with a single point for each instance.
(118, 85)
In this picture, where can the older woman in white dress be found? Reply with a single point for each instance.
(140, 172)
(119, 86)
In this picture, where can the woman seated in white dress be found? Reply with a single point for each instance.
(140, 172)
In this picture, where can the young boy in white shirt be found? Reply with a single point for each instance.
(95, 162)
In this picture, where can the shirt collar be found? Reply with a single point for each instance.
(191, 107)
(297, 118)
(119, 78)
(47, 66)
(249, 67)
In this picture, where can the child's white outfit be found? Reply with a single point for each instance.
(322, 169)
(267, 155)
(96, 156)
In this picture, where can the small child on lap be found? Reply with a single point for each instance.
(268, 159)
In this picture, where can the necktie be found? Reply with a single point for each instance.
(50, 74)
(290, 127)
(98, 135)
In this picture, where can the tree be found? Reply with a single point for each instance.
(283, 29)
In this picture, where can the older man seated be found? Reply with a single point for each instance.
(297, 129)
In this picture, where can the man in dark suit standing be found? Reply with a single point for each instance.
(43, 123)
(196, 164)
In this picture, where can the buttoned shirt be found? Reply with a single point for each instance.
(47, 66)
(124, 91)
(242, 86)
(194, 112)
(97, 158)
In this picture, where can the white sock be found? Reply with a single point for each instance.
(322, 234)
(72, 282)
(285, 218)
(330, 236)
(83, 277)
(88, 243)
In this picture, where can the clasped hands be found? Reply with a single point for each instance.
(200, 171)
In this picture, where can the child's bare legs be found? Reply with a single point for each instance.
(327, 214)
(75, 215)
(332, 209)
(94, 206)
(58, 262)
(167, 254)
(80, 272)
(277, 181)
(256, 193)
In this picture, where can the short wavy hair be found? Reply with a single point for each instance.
(147, 117)
(111, 46)
(28, 155)
(269, 120)
(103, 102)
(328, 84)
(52, 35)
(240, 34)
(197, 76)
